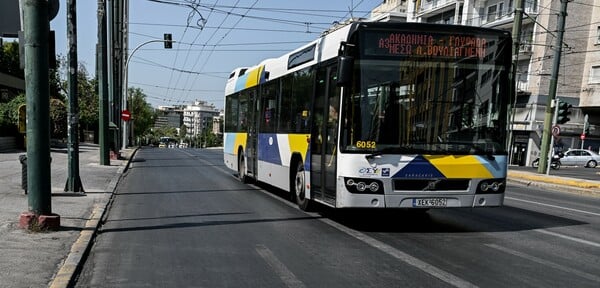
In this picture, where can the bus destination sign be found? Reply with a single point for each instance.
(426, 45)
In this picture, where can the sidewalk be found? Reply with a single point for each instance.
(35, 259)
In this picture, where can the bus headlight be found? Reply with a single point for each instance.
(363, 186)
(491, 186)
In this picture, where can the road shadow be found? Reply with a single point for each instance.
(451, 220)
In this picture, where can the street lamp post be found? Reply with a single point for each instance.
(125, 74)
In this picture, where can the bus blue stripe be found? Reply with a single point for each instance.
(419, 167)
(268, 152)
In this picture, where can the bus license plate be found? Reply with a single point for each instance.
(430, 202)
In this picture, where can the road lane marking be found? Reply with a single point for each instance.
(579, 240)
(553, 206)
(280, 269)
(545, 262)
(410, 260)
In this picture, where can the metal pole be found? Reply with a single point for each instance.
(125, 73)
(553, 84)
(103, 85)
(73, 180)
(516, 34)
(36, 28)
(585, 125)
(549, 156)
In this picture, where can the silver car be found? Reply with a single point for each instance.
(580, 157)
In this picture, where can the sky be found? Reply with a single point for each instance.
(211, 37)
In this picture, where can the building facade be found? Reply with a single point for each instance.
(169, 116)
(579, 72)
(198, 117)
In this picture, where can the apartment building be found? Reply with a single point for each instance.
(579, 71)
(199, 116)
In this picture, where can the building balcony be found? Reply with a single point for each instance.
(435, 6)
(503, 19)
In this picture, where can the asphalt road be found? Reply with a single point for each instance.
(181, 219)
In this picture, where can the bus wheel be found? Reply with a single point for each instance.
(299, 190)
(242, 169)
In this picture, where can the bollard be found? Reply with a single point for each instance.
(23, 160)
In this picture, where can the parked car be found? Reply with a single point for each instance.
(580, 157)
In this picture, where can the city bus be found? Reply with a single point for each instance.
(377, 115)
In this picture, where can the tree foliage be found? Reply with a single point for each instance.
(9, 60)
(141, 112)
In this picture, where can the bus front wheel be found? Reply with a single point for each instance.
(299, 190)
(242, 169)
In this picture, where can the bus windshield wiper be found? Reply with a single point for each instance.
(388, 150)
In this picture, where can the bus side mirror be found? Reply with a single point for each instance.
(345, 70)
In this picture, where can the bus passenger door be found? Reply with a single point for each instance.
(251, 142)
(324, 135)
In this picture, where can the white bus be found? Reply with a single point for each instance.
(377, 115)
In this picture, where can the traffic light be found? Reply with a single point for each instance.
(586, 128)
(563, 112)
(168, 41)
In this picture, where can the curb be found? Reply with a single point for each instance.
(79, 250)
(575, 186)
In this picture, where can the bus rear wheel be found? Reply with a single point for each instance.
(298, 188)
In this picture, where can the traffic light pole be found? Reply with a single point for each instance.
(546, 137)
(125, 75)
(549, 155)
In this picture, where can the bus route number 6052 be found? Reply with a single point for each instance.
(365, 144)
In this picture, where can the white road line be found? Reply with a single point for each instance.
(579, 240)
(553, 206)
(545, 262)
(410, 260)
(280, 269)
(575, 239)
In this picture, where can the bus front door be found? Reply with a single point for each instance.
(324, 135)
(251, 142)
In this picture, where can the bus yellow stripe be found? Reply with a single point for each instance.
(467, 166)
(254, 77)
(299, 143)
(240, 140)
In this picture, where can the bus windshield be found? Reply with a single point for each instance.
(440, 104)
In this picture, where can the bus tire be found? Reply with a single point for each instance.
(299, 188)
(242, 168)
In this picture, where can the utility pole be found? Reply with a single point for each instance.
(101, 66)
(552, 90)
(516, 37)
(36, 29)
(73, 180)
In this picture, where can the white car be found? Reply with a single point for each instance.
(580, 157)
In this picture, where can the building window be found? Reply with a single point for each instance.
(491, 13)
(595, 74)
(598, 35)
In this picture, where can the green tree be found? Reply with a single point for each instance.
(141, 111)
(9, 60)
(9, 115)
(182, 131)
(58, 119)
(87, 100)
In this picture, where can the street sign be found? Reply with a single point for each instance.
(555, 131)
(125, 115)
